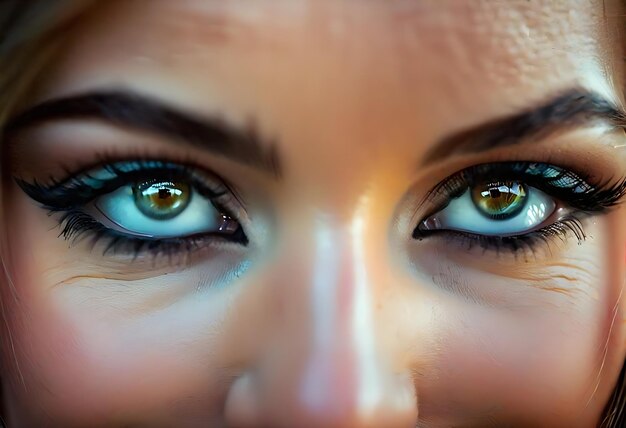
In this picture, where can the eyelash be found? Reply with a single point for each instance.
(585, 198)
(69, 196)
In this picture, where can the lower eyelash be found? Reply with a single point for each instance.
(525, 244)
(77, 226)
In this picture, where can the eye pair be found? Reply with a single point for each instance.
(166, 209)
(153, 204)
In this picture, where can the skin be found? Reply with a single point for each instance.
(332, 316)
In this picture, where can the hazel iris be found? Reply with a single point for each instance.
(500, 200)
(162, 200)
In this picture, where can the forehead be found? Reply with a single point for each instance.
(446, 64)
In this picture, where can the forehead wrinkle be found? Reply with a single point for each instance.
(195, 28)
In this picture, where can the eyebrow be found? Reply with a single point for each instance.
(129, 109)
(573, 108)
(570, 109)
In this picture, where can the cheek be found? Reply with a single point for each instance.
(522, 363)
(73, 347)
(527, 340)
(538, 364)
(122, 348)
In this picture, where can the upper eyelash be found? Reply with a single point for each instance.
(81, 188)
(558, 182)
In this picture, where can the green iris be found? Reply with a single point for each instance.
(162, 200)
(500, 200)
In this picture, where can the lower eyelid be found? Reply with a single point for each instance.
(78, 227)
(532, 244)
(563, 224)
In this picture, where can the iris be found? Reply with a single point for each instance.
(500, 200)
(162, 200)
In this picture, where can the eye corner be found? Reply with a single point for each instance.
(418, 234)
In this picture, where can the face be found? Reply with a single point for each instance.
(319, 214)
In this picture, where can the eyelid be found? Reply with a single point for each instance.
(582, 193)
(80, 188)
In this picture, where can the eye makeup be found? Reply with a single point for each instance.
(75, 197)
(573, 196)
(84, 196)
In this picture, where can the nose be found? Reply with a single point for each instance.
(331, 363)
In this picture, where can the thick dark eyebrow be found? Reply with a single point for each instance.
(566, 111)
(143, 113)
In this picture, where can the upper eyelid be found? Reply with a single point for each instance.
(498, 170)
(44, 193)
(604, 194)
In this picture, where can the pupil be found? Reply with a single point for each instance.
(161, 200)
(500, 200)
(164, 193)
(495, 193)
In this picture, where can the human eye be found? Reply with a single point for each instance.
(142, 206)
(512, 204)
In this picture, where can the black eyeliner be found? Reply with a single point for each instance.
(77, 225)
(69, 197)
(81, 188)
(584, 197)
(575, 189)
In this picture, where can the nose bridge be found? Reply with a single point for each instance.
(327, 368)
(340, 364)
